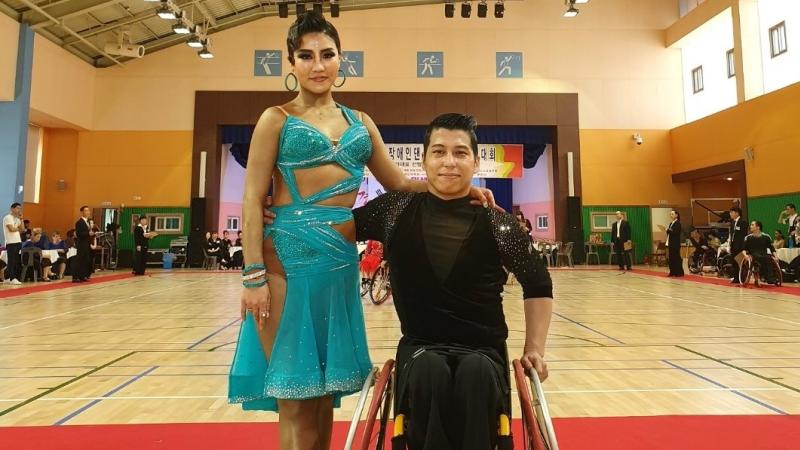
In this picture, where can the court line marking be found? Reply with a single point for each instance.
(66, 383)
(28, 322)
(733, 391)
(704, 304)
(192, 347)
(554, 392)
(105, 396)
(741, 369)
(588, 328)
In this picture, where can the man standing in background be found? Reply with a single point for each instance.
(13, 226)
(142, 237)
(621, 238)
(83, 243)
(790, 217)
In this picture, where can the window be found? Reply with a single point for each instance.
(168, 224)
(542, 222)
(731, 65)
(233, 223)
(697, 79)
(602, 221)
(777, 39)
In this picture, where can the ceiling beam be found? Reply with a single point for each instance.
(64, 12)
(201, 6)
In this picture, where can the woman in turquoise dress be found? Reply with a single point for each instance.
(302, 345)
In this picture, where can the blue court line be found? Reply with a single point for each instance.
(191, 347)
(733, 391)
(106, 395)
(588, 328)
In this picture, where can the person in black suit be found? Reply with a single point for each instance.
(674, 245)
(83, 237)
(141, 236)
(736, 234)
(620, 234)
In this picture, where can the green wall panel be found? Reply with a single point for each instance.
(126, 236)
(766, 209)
(639, 218)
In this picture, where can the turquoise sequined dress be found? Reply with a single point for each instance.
(321, 347)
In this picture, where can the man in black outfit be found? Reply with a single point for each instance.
(758, 246)
(621, 235)
(142, 237)
(82, 268)
(450, 261)
(736, 235)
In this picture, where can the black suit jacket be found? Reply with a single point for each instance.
(738, 231)
(138, 237)
(624, 233)
(674, 235)
(82, 238)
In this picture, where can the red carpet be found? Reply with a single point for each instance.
(791, 289)
(618, 433)
(53, 286)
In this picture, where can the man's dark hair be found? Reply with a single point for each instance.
(142, 217)
(14, 205)
(759, 225)
(454, 121)
(791, 206)
(310, 22)
(83, 207)
(737, 210)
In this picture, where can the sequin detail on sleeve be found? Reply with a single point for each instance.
(519, 256)
(378, 218)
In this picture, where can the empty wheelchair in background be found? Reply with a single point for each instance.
(383, 428)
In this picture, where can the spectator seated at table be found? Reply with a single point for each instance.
(60, 265)
(42, 265)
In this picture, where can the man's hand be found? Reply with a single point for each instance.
(269, 216)
(531, 359)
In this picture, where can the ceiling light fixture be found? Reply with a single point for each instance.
(300, 8)
(334, 8)
(283, 10)
(499, 9)
(572, 11)
(483, 9)
(449, 9)
(205, 54)
(466, 10)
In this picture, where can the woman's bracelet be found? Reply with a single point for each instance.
(256, 266)
(254, 284)
(254, 275)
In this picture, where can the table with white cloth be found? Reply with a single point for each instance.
(788, 255)
(72, 252)
(232, 250)
(4, 256)
(51, 255)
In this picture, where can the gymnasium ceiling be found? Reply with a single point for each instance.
(84, 27)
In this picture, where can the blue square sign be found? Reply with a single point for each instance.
(430, 64)
(268, 63)
(509, 65)
(353, 64)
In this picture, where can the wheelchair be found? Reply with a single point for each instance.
(380, 431)
(751, 270)
(704, 263)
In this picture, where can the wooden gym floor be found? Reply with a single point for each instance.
(156, 349)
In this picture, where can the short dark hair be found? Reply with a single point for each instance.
(15, 205)
(759, 224)
(791, 205)
(83, 207)
(310, 22)
(453, 121)
(143, 216)
(677, 214)
(736, 209)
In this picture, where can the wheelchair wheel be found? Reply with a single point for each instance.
(379, 409)
(778, 273)
(533, 437)
(380, 288)
(745, 271)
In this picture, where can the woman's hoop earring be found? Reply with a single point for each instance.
(286, 82)
(344, 79)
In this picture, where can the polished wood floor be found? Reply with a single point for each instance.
(156, 349)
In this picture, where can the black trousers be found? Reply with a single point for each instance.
(140, 261)
(675, 261)
(452, 400)
(14, 269)
(623, 257)
(82, 263)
